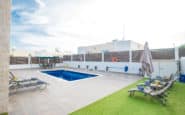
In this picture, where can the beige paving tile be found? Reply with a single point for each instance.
(62, 97)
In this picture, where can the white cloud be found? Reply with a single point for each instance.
(41, 3)
(84, 22)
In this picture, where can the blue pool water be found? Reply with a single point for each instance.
(69, 75)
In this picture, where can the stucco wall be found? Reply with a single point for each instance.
(161, 67)
(4, 53)
(183, 65)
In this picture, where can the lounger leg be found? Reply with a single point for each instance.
(162, 99)
(131, 93)
(43, 86)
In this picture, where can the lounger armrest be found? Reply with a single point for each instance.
(141, 84)
(133, 89)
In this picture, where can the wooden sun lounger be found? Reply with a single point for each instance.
(160, 94)
(14, 85)
(133, 90)
(19, 85)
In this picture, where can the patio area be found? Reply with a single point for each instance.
(63, 97)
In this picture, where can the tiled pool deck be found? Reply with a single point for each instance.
(62, 97)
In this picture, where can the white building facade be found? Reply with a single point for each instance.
(115, 45)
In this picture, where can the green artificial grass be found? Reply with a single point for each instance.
(120, 103)
(3, 113)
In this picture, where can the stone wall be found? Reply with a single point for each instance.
(4, 53)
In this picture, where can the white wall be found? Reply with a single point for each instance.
(164, 67)
(29, 66)
(24, 66)
(183, 65)
(116, 67)
(161, 67)
(124, 45)
(136, 46)
(117, 45)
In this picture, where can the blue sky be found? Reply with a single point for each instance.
(20, 23)
(67, 24)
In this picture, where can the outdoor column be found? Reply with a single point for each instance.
(84, 57)
(130, 55)
(5, 6)
(176, 53)
(29, 59)
(71, 57)
(102, 56)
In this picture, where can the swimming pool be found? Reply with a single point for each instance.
(68, 75)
